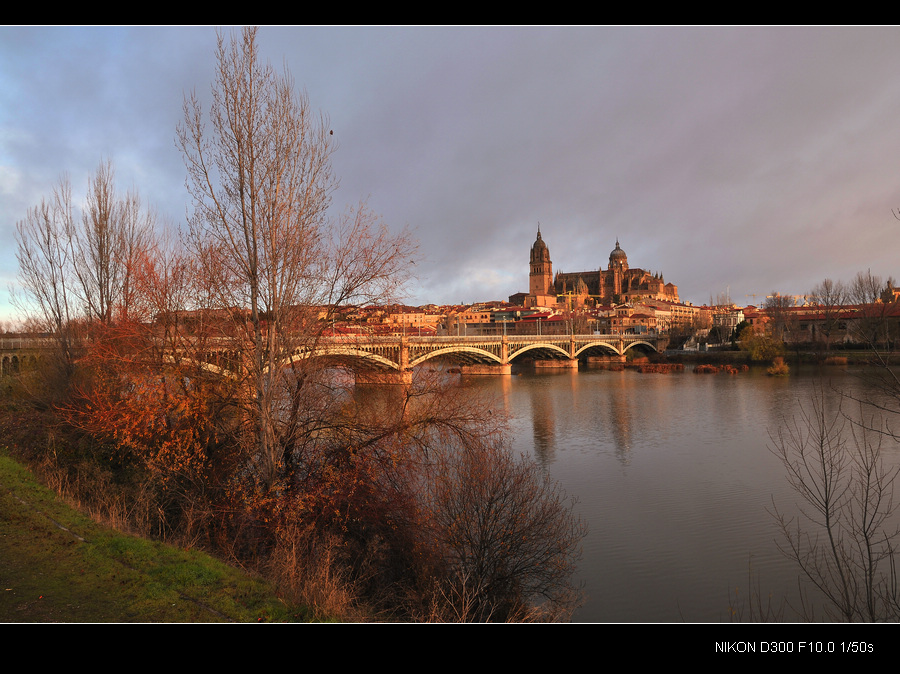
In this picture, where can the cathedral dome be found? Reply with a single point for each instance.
(618, 255)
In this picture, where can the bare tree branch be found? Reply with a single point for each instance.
(261, 179)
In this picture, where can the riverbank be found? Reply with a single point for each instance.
(58, 565)
(836, 357)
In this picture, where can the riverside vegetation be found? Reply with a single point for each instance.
(58, 565)
(405, 505)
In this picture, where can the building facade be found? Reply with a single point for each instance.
(617, 284)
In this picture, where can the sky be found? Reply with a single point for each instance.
(729, 159)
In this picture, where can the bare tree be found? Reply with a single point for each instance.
(778, 309)
(872, 319)
(865, 288)
(507, 535)
(63, 264)
(261, 179)
(829, 298)
(45, 256)
(113, 232)
(843, 537)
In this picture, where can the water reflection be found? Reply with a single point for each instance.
(674, 477)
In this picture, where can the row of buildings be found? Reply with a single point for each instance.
(504, 318)
(617, 300)
(876, 323)
(872, 324)
(622, 300)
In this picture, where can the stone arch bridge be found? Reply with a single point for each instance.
(384, 359)
(476, 355)
(22, 353)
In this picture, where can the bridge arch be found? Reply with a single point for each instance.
(553, 350)
(606, 346)
(10, 364)
(346, 353)
(479, 355)
(641, 342)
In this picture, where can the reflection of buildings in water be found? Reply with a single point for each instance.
(544, 417)
(620, 420)
(543, 422)
(503, 402)
(646, 410)
(548, 422)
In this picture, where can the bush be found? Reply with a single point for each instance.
(779, 368)
(762, 347)
(505, 535)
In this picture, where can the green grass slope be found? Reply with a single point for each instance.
(57, 565)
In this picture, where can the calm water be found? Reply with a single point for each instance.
(673, 476)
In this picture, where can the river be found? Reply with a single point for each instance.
(673, 475)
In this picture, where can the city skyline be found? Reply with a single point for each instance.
(747, 159)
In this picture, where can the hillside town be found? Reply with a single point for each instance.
(623, 300)
(700, 326)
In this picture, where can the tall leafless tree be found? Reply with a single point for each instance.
(260, 174)
(828, 299)
(46, 273)
(778, 309)
(872, 320)
(70, 272)
(114, 230)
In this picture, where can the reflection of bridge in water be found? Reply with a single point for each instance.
(393, 358)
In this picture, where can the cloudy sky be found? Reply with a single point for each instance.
(746, 160)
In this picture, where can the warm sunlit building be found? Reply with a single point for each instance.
(619, 283)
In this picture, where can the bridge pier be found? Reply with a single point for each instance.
(557, 364)
(486, 369)
(383, 378)
(605, 360)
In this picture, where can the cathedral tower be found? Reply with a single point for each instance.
(540, 278)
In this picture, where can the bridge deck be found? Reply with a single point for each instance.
(403, 353)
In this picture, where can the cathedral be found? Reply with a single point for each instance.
(616, 285)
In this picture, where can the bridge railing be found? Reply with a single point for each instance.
(18, 343)
(449, 339)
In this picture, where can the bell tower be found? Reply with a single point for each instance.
(540, 277)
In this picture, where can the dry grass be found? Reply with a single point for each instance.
(315, 576)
